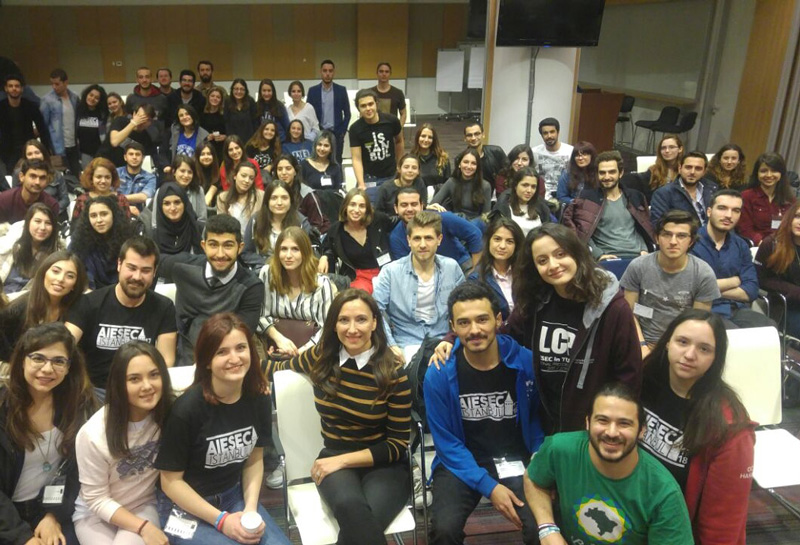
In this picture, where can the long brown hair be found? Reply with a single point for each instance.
(704, 423)
(660, 169)
(785, 251)
(327, 374)
(232, 195)
(586, 286)
(442, 159)
(73, 399)
(26, 257)
(737, 178)
(278, 278)
(207, 176)
(117, 404)
(784, 192)
(211, 335)
(586, 176)
(38, 300)
(474, 186)
(263, 225)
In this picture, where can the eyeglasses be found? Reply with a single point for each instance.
(680, 236)
(669, 148)
(39, 360)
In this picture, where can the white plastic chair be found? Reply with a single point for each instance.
(181, 378)
(643, 162)
(753, 370)
(300, 433)
(167, 290)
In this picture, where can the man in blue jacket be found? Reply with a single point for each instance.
(331, 104)
(482, 411)
(689, 191)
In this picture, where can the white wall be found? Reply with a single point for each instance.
(553, 91)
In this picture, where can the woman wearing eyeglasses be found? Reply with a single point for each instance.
(581, 173)
(662, 172)
(47, 399)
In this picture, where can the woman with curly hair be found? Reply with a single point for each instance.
(581, 172)
(100, 179)
(58, 283)
(434, 161)
(39, 237)
(466, 192)
(361, 472)
(90, 119)
(271, 109)
(728, 168)
(767, 200)
(98, 235)
(43, 404)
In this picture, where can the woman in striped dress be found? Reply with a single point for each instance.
(364, 401)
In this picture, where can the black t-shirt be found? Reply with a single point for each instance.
(489, 412)
(211, 443)
(492, 162)
(377, 144)
(559, 321)
(663, 431)
(362, 257)
(107, 325)
(392, 101)
(89, 132)
(117, 154)
(387, 194)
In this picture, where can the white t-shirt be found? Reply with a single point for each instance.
(525, 223)
(551, 164)
(425, 300)
(33, 477)
(68, 122)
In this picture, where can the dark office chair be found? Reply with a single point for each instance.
(625, 116)
(669, 116)
(683, 126)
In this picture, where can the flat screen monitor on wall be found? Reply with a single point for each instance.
(568, 23)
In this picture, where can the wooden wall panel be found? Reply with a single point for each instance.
(281, 41)
(758, 90)
(382, 36)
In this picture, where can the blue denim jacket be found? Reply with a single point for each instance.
(395, 290)
(143, 182)
(53, 113)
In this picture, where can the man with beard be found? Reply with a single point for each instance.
(686, 192)
(552, 156)
(205, 69)
(729, 256)
(18, 116)
(482, 409)
(186, 94)
(613, 220)
(105, 319)
(331, 104)
(493, 158)
(164, 78)
(609, 490)
(219, 285)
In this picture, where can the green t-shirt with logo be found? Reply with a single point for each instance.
(647, 506)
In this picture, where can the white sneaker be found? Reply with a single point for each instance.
(275, 479)
(421, 493)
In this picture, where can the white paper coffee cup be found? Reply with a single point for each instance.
(251, 521)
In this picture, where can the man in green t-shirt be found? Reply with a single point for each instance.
(609, 490)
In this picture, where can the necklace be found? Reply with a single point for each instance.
(46, 466)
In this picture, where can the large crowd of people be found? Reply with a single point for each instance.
(555, 304)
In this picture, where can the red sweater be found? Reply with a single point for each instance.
(225, 183)
(718, 489)
(757, 214)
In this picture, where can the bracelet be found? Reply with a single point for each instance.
(547, 531)
(221, 521)
(547, 525)
(141, 527)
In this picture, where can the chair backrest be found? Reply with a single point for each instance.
(643, 162)
(687, 122)
(299, 426)
(669, 115)
(753, 370)
(167, 290)
(181, 378)
(627, 104)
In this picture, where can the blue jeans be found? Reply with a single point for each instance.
(373, 183)
(231, 500)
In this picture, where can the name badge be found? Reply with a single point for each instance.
(508, 468)
(643, 311)
(371, 184)
(53, 494)
(326, 181)
(180, 527)
(776, 223)
(383, 259)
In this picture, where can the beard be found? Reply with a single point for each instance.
(626, 451)
(205, 79)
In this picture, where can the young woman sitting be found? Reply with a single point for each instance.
(26, 244)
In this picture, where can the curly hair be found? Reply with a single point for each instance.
(86, 241)
(102, 106)
(735, 179)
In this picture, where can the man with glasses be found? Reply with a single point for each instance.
(493, 158)
(661, 285)
(687, 192)
(103, 320)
